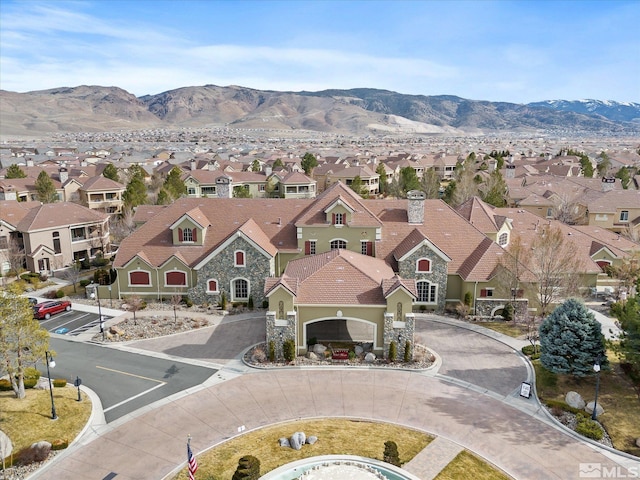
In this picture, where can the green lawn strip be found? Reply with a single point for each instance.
(467, 465)
(28, 420)
(506, 328)
(335, 436)
(621, 417)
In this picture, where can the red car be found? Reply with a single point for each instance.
(46, 309)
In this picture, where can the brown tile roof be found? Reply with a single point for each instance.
(255, 233)
(144, 212)
(52, 215)
(12, 211)
(481, 215)
(101, 183)
(295, 178)
(612, 201)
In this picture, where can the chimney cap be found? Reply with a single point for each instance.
(416, 195)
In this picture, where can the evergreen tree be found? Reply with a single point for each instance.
(430, 183)
(135, 193)
(46, 191)
(628, 314)
(241, 191)
(255, 166)
(111, 172)
(391, 454)
(496, 191)
(358, 187)
(14, 171)
(408, 180)
(309, 162)
(278, 163)
(571, 340)
(382, 182)
(624, 176)
(174, 185)
(604, 165)
(163, 197)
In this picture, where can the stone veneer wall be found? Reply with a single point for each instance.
(391, 334)
(221, 268)
(438, 274)
(484, 306)
(281, 332)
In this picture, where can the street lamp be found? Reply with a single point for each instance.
(50, 361)
(96, 294)
(110, 299)
(596, 368)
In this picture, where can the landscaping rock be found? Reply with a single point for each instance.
(312, 356)
(370, 357)
(313, 439)
(114, 330)
(367, 347)
(43, 384)
(284, 442)
(589, 409)
(359, 350)
(6, 447)
(37, 452)
(574, 399)
(297, 440)
(319, 349)
(638, 442)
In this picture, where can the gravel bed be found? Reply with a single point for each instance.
(569, 420)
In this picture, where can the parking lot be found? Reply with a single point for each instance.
(72, 323)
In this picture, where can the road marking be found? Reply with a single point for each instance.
(70, 321)
(130, 374)
(134, 397)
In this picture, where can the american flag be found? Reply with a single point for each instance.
(191, 460)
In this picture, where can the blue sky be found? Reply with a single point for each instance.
(513, 51)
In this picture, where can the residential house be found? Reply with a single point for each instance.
(104, 194)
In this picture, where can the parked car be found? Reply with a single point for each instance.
(46, 309)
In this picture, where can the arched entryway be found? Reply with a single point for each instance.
(328, 330)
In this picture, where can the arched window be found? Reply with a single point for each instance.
(335, 244)
(281, 309)
(423, 265)
(399, 312)
(212, 286)
(503, 239)
(139, 277)
(239, 258)
(175, 278)
(240, 288)
(187, 235)
(427, 292)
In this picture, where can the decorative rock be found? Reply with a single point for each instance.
(574, 399)
(312, 356)
(297, 440)
(370, 357)
(359, 350)
(638, 442)
(6, 447)
(39, 451)
(367, 347)
(43, 384)
(284, 442)
(589, 409)
(313, 439)
(114, 330)
(319, 349)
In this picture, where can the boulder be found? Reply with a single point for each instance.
(638, 442)
(37, 452)
(6, 447)
(319, 349)
(312, 356)
(284, 442)
(297, 440)
(114, 330)
(43, 384)
(359, 350)
(311, 439)
(574, 399)
(370, 357)
(589, 409)
(367, 347)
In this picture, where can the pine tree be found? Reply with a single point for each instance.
(255, 166)
(496, 190)
(571, 340)
(408, 180)
(136, 192)
(309, 162)
(382, 182)
(45, 189)
(174, 185)
(111, 172)
(430, 183)
(391, 454)
(14, 171)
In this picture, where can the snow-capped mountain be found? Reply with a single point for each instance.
(616, 111)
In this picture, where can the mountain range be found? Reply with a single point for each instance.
(360, 111)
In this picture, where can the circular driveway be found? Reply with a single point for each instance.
(497, 426)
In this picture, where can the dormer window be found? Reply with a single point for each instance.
(338, 218)
(503, 239)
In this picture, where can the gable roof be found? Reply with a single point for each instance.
(62, 214)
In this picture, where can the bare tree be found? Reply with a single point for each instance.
(512, 272)
(568, 211)
(15, 255)
(176, 300)
(135, 303)
(72, 274)
(122, 226)
(627, 272)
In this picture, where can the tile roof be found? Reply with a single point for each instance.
(61, 214)
(12, 211)
(481, 215)
(101, 183)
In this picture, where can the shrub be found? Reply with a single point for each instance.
(85, 265)
(59, 382)
(187, 301)
(248, 468)
(393, 351)
(101, 276)
(84, 283)
(423, 308)
(265, 304)
(352, 354)
(259, 355)
(528, 350)
(588, 428)
(407, 351)
(5, 385)
(553, 404)
(31, 372)
(59, 444)
(462, 310)
(29, 455)
(59, 293)
(223, 301)
(468, 299)
(289, 350)
(30, 382)
(391, 453)
(272, 351)
(508, 312)
(535, 356)
(100, 261)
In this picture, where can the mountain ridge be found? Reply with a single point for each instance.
(359, 111)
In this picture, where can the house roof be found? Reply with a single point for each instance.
(52, 215)
(12, 212)
(101, 183)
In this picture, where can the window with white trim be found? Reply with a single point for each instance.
(336, 244)
(139, 277)
(239, 258)
(187, 235)
(427, 292)
(191, 191)
(338, 219)
(175, 278)
(212, 286)
(423, 265)
(624, 216)
(240, 289)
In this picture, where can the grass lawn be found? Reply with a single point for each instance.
(335, 436)
(467, 465)
(29, 420)
(621, 403)
(506, 328)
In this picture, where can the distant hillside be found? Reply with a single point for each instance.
(359, 111)
(616, 111)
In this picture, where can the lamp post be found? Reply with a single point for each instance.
(50, 361)
(596, 368)
(96, 294)
(110, 299)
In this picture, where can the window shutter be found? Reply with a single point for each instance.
(195, 234)
(483, 292)
(180, 235)
(307, 247)
(333, 218)
(369, 248)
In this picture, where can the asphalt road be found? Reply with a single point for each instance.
(123, 381)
